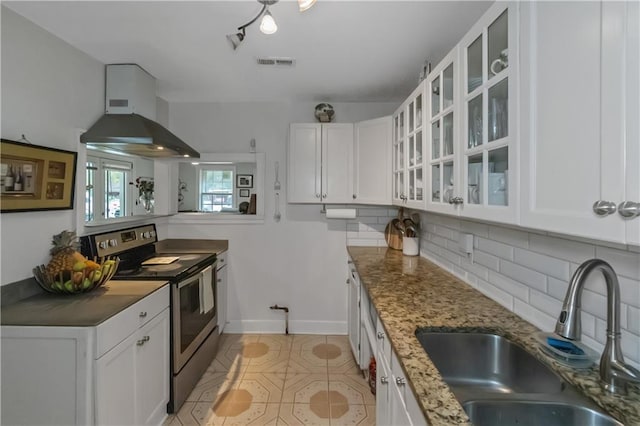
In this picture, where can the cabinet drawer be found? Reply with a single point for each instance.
(383, 344)
(117, 328)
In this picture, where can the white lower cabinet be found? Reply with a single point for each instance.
(221, 291)
(395, 403)
(116, 373)
(134, 377)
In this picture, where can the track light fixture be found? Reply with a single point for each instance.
(267, 24)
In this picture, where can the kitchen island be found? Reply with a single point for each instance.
(412, 292)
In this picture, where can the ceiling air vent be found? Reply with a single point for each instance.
(277, 61)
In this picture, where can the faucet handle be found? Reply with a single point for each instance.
(616, 374)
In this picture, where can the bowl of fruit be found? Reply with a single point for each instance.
(69, 272)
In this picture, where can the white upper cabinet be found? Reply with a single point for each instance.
(320, 163)
(580, 112)
(443, 146)
(372, 162)
(488, 156)
(408, 146)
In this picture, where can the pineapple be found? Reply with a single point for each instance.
(64, 253)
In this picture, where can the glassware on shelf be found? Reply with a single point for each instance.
(475, 122)
(447, 145)
(435, 140)
(498, 45)
(435, 182)
(474, 65)
(435, 97)
(447, 87)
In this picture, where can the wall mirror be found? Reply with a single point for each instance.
(222, 185)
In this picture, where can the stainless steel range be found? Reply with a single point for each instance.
(194, 338)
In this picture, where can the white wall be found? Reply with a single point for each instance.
(299, 262)
(49, 89)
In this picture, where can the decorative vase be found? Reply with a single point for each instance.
(146, 199)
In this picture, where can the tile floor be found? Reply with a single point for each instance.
(280, 380)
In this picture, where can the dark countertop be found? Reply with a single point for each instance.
(192, 246)
(79, 310)
(411, 292)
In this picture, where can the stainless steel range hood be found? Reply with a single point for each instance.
(128, 125)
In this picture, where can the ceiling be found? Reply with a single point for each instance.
(344, 51)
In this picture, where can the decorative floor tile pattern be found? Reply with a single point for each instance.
(274, 380)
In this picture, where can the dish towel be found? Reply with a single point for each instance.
(206, 291)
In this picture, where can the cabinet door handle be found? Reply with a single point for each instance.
(629, 209)
(219, 280)
(380, 335)
(384, 380)
(143, 314)
(354, 196)
(140, 342)
(317, 195)
(456, 200)
(324, 195)
(604, 208)
(400, 381)
(146, 338)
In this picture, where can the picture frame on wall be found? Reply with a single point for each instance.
(244, 181)
(245, 193)
(35, 177)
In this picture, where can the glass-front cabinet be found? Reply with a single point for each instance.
(408, 149)
(443, 122)
(488, 138)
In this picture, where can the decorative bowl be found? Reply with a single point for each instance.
(81, 281)
(324, 112)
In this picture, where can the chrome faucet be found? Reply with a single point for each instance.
(615, 374)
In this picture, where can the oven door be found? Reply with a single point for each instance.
(194, 314)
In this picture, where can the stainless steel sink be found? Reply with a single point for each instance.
(487, 363)
(499, 383)
(534, 413)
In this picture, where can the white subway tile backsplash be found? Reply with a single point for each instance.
(539, 319)
(629, 291)
(475, 228)
(475, 268)
(542, 263)
(373, 212)
(633, 319)
(625, 263)
(628, 341)
(594, 303)
(485, 259)
(502, 297)
(561, 248)
(501, 250)
(588, 324)
(442, 231)
(557, 288)
(524, 275)
(515, 288)
(509, 236)
(545, 303)
(451, 257)
(442, 242)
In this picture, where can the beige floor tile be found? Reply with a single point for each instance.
(237, 340)
(258, 414)
(299, 388)
(299, 414)
(270, 362)
(277, 342)
(362, 415)
(171, 420)
(197, 413)
(210, 386)
(354, 387)
(306, 342)
(264, 387)
(342, 341)
(306, 362)
(230, 358)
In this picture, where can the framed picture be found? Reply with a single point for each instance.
(36, 177)
(245, 193)
(244, 181)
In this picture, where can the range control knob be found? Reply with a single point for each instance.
(146, 235)
(103, 244)
(113, 242)
(152, 234)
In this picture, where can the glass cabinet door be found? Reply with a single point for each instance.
(443, 110)
(398, 156)
(486, 104)
(415, 144)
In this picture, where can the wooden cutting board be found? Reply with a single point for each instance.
(392, 236)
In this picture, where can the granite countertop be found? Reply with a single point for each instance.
(412, 292)
(79, 310)
(192, 246)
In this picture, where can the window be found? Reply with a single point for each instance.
(217, 188)
(107, 189)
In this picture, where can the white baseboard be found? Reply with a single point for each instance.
(277, 327)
